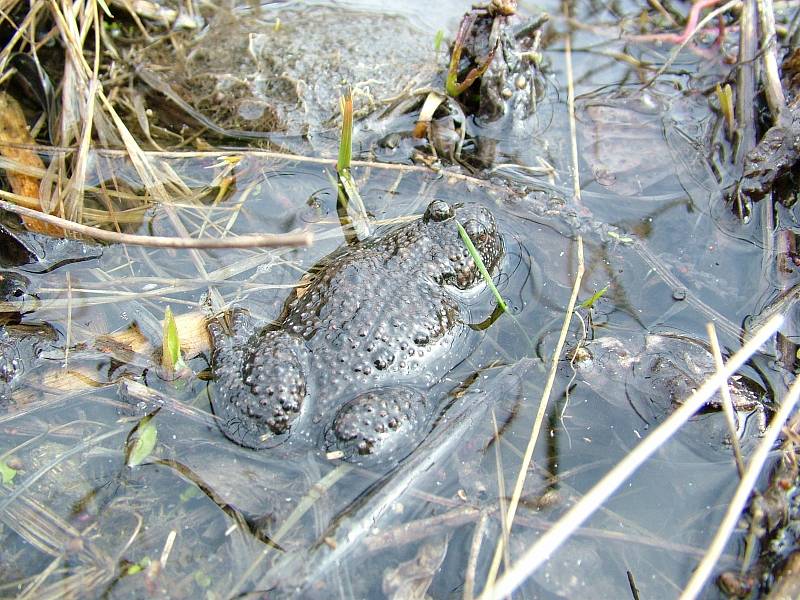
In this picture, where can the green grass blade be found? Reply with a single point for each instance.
(438, 39)
(484, 273)
(346, 142)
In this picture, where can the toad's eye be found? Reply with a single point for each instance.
(438, 211)
(476, 231)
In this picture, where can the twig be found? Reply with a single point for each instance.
(539, 552)
(743, 491)
(632, 584)
(264, 154)
(271, 240)
(472, 561)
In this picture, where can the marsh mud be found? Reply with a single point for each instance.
(277, 71)
(118, 478)
(272, 76)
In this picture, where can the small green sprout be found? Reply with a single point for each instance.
(725, 98)
(438, 39)
(190, 492)
(484, 273)
(171, 358)
(134, 568)
(619, 238)
(7, 473)
(595, 297)
(202, 579)
(141, 442)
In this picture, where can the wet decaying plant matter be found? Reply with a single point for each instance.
(332, 299)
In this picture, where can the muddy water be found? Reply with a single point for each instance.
(204, 517)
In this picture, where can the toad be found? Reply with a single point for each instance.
(349, 365)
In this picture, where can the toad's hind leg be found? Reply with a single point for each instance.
(260, 384)
(382, 425)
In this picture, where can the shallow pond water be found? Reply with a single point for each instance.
(204, 517)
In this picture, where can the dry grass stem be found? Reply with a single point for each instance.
(88, 442)
(192, 334)
(285, 157)
(727, 401)
(270, 240)
(742, 494)
(474, 551)
(573, 134)
(772, 79)
(414, 531)
(73, 191)
(657, 266)
(505, 523)
(537, 424)
(68, 333)
(663, 12)
(550, 541)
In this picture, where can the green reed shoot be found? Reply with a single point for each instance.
(346, 142)
(346, 186)
(141, 442)
(437, 41)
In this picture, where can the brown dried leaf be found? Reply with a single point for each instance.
(13, 135)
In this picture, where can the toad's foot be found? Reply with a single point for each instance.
(260, 383)
(386, 422)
